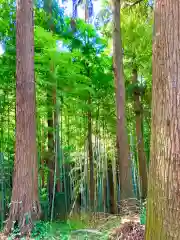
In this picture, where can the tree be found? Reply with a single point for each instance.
(164, 192)
(51, 117)
(83, 73)
(138, 109)
(126, 187)
(24, 202)
(136, 35)
(51, 94)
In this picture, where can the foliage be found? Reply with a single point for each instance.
(78, 64)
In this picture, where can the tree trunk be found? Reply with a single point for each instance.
(57, 140)
(42, 155)
(50, 110)
(124, 162)
(90, 148)
(24, 202)
(86, 11)
(163, 214)
(90, 154)
(111, 189)
(51, 154)
(140, 140)
(52, 120)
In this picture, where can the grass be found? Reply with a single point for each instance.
(81, 228)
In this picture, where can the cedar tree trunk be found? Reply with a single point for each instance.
(24, 202)
(163, 214)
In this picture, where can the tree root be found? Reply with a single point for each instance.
(23, 217)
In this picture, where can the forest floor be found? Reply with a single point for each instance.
(101, 227)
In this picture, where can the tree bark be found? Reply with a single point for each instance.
(24, 202)
(111, 190)
(163, 214)
(125, 175)
(140, 140)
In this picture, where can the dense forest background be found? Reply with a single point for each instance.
(75, 111)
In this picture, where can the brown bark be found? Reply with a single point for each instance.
(124, 162)
(163, 214)
(111, 190)
(24, 202)
(140, 140)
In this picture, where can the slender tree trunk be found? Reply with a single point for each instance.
(50, 113)
(24, 202)
(42, 155)
(52, 121)
(57, 142)
(140, 140)
(90, 148)
(90, 153)
(111, 190)
(163, 214)
(86, 11)
(51, 154)
(124, 162)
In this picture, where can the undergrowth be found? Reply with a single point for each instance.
(84, 227)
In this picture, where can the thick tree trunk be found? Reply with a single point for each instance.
(24, 202)
(140, 140)
(163, 214)
(124, 162)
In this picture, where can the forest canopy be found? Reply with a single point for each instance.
(85, 101)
